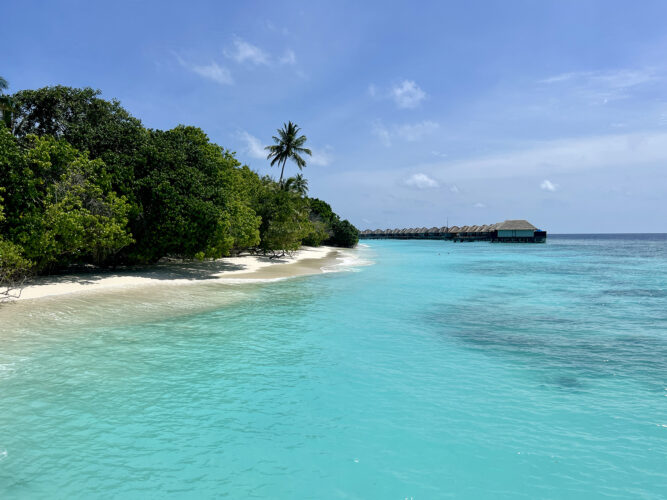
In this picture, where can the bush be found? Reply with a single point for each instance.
(344, 234)
(317, 234)
(14, 269)
(340, 233)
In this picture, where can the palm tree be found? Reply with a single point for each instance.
(6, 104)
(298, 184)
(288, 146)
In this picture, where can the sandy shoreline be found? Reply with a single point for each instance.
(245, 268)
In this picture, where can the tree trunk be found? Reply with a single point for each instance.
(282, 170)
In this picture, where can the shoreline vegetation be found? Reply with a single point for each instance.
(84, 183)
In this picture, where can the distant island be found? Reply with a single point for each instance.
(83, 182)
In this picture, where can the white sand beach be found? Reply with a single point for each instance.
(308, 260)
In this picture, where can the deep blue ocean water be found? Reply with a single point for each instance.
(442, 370)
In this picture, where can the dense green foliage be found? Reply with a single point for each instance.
(341, 233)
(83, 182)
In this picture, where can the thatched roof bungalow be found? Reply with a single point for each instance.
(517, 228)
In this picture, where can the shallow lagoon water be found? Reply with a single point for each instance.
(442, 370)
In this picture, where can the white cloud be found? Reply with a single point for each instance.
(254, 146)
(382, 133)
(272, 27)
(407, 94)
(212, 71)
(321, 157)
(454, 189)
(244, 51)
(564, 155)
(416, 131)
(411, 132)
(421, 181)
(479, 205)
(547, 185)
(288, 58)
(604, 86)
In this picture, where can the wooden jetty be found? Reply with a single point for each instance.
(509, 231)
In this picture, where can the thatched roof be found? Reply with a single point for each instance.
(434, 230)
(454, 229)
(515, 225)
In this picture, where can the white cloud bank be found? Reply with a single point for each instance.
(566, 155)
(421, 181)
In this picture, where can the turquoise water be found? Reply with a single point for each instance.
(443, 370)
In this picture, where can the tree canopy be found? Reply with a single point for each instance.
(82, 181)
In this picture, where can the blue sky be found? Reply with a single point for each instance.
(417, 113)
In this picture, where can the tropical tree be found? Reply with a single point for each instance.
(89, 123)
(288, 146)
(297, 184)
(6, 104)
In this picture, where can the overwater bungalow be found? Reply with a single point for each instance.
(509, 231)
(518, 231)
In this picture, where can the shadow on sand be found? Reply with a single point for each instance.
(193, 270)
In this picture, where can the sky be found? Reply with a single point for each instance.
(418, 113)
